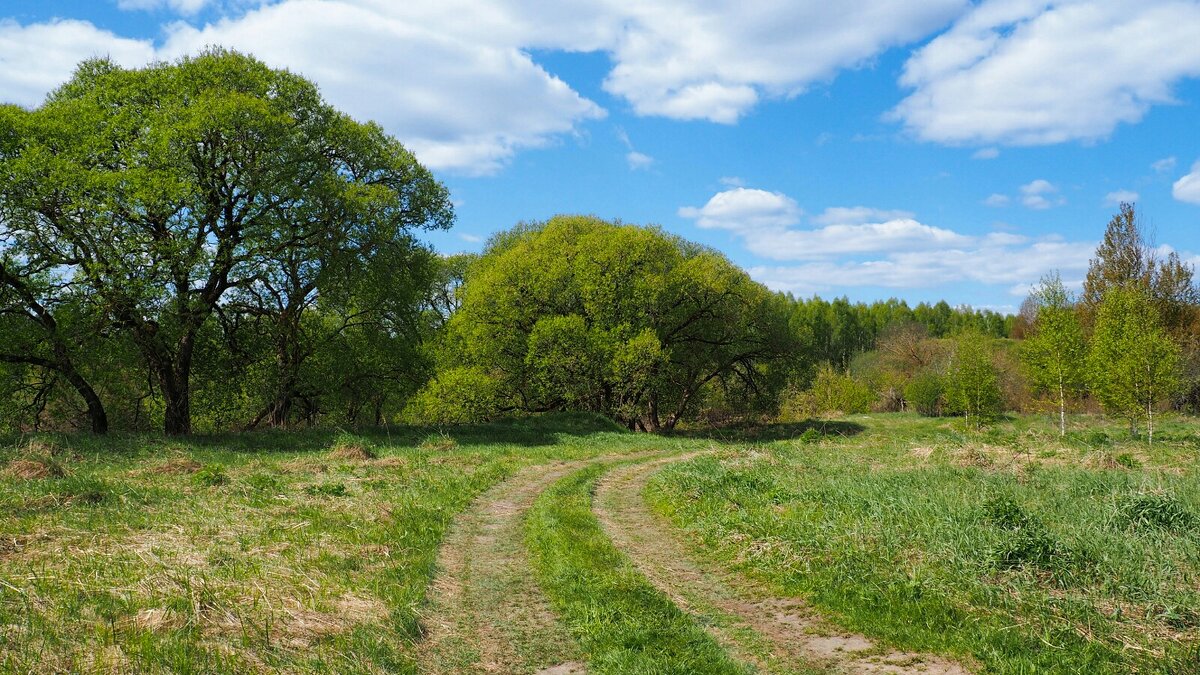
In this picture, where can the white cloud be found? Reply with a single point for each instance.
(1041, 194)
(460, 104)
(744, 210)
(186, 7)
(986, 261)
(997, 200)
(1120, 196)
(1164, 165)
(715, 61)
(1187, 189)
(638, 160)
(1030, 72)
(863, 246)
(470, 238)
(986, 153)
(732, 181)
(857, 215)
(36, 58)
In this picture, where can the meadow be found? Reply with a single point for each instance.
(1008, 550)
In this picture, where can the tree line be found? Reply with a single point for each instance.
(207, 245)
(1128, 345)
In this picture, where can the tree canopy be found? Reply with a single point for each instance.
(579, 313)
(153, 196)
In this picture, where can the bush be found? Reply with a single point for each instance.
(456, 396)
(925, 394)
(832, 392)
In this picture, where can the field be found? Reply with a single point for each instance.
(563, 544)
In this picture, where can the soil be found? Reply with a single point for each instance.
(776, 634)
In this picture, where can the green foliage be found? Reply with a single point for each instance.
(1055, 354)
(831, 392)
(1133, 362)
(163, 199)
(972, 383)
(456, 396)
(211, 475)
(580, 314)
(926, 393)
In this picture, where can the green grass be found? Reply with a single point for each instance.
(263, 552)
(622, 622)
(255, 552)
(1028, 553)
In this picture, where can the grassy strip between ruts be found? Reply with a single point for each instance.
(623, 623)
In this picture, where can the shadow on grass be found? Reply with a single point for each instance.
(532, 431)
(778, 431)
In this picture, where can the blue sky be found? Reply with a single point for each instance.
(941, 149)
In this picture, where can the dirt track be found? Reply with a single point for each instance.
(487, 615)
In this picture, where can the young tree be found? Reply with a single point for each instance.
(1133, 362)
(161, 189)
(1055, 353)
(972, 383)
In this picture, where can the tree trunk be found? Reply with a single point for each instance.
(96, 413)
(178, 400)
(97, 416)
(1062, 411)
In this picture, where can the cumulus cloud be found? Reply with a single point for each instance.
(863, 246)
(745, 210)
(857, 215)
(1187, 189)
(997, 200)
(1024, 72)
(1120, 196)
(1041, 194)
(715, 61)
(636, 160)
(986, 153)
(36, 58)
(460, 104)
(455, 81)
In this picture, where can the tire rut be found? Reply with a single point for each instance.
(776, 635)
(485, 612)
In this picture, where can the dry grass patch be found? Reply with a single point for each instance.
(355, 452)
(33, 469)
(171, 467)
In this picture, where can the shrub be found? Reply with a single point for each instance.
(831, 392)
(456, 396)
(925, 394)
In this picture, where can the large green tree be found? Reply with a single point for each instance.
(1055, 352)
(1133, 364)
(581, 314)
(162, 189)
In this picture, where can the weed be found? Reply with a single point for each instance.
(327, 490)
(210, 476)
(1157, 510)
